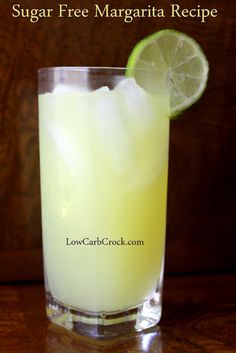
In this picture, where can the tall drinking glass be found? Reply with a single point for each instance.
(103, 164)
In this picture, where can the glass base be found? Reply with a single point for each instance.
(105, 325)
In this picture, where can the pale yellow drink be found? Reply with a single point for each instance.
(104, 159)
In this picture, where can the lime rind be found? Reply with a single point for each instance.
(174, 55)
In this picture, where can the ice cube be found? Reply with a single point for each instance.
(62, 142)
(71, 152)
(147, 124)
(135, 102)
(111, 133)
(62, 88)
(130, 86)
(102, 89)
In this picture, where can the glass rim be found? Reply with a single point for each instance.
(82, 68)
(118, 69)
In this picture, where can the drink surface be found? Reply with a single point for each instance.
(104, 161)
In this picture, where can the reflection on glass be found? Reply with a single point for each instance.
(60, 340)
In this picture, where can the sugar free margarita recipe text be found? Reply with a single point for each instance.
(107, 11)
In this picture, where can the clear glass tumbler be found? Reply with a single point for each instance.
(103, 164)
